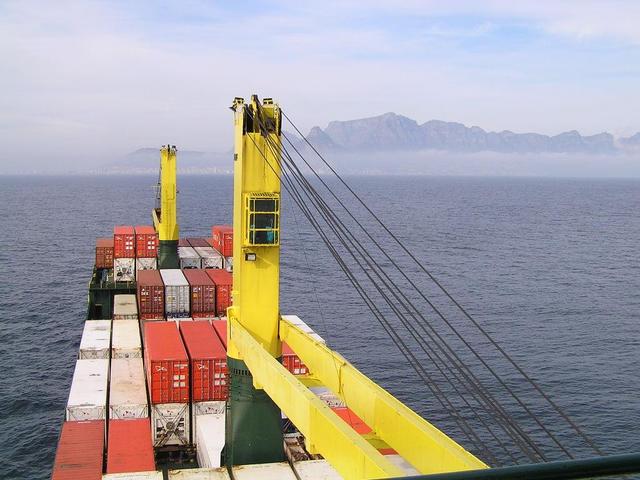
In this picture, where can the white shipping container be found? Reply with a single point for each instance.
(399, 461)
(176, 293)
(210, 257)
(328, 397)
(178, 320)
(298, 322)
(189, 258)
(96, 339)
(170, 424)
(127, 390)
(124, 269)
(155, 475)
(209, 438)
(200, 474)
(88, 394)
(125, 307)
(125, 339)
(316, 470)
(264, 471)
(228, 264)
(146, 264)
(199, 409)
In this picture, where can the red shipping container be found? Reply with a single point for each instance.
(198, 242)
(183, 242)
(124, 242)
(208, 361)
(292, 362)
(150, 295)
(223, 239)
(80, 451)
(166, 362)
(129, 446)
(220, 326)
(203, 293)
(146, 242)
(104, 253)
(224, 284)
(358, 425)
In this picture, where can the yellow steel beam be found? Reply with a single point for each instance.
(168, 223)
(351, 455)
(420, 443)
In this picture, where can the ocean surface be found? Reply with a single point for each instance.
(550, 267)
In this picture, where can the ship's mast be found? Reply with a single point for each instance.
(165, 218)
(254, 432)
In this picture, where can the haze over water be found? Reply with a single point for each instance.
(549, 266)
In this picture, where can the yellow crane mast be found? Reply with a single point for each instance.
(165, 218)
(260, 387)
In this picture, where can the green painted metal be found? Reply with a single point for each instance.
(254, 421)
(564, 470)
(168, 254)
(102, 288)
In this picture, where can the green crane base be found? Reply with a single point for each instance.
(168, 254)
(254, 422)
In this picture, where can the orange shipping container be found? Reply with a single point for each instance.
(129, 446)
(166, 362)
(146, 242)
(79, 453)
(223, 239)
(124, 242)
(223, 281)
(104, 253)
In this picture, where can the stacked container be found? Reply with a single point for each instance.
(129, 447)
(127, 389)
(150, 295)
(96, 340)
(146, 248)
(202, 294)
(279, 471)
(315, 469)
(298, 322)
(104, 253)
(197, 242)
(220, 326)
(222, 238)
(292, 362)
(207, 361)
(167, 368)
(188, 258)
(124, 307)
(151, 475)
(80, 451)
(124, 254)
(223, 281)
(125, 340)
(88, 394)
(183, 242)
(176, 293)
(209, 435)
(209, 257)
(199, 474)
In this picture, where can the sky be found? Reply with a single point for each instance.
(84, 82)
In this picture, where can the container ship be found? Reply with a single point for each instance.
(187, 370)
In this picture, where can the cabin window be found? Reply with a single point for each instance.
(262, 219)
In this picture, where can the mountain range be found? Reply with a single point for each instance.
(392, 132)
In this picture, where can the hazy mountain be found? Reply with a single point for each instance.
(396, 132)
(147, 160)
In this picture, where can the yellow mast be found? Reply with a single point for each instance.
(165, 218)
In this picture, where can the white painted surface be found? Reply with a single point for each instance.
(210, 257)
(96, 339)
(205, 408)
(133, 476)
(316, 470)
(170, 424)
(298, 322)
(200, 474)
(176, 293)
(264, 471)
(88, 394)
(399, 461)
(210, 439)
(228, 264)
(125, 307)
(188, 258)
(124, 269)
(125, 339)
(146, 264)
(127, 389)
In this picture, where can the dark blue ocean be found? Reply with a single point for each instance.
(550, 267)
